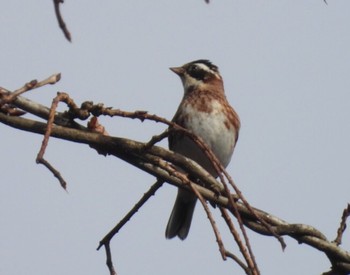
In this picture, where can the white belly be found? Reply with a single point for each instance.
(211, 127)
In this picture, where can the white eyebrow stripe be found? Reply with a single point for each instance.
(204, 67)
(207, 69)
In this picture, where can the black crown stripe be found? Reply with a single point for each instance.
(206, 62)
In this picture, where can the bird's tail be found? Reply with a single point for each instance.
(180, 219)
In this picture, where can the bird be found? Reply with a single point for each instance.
(205, 112)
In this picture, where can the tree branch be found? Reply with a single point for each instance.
(172, 168)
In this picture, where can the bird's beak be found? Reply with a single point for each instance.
(178, 70)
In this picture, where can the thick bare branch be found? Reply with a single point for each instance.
(151, 160)
(169, 167)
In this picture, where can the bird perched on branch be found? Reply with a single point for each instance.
(204, 111)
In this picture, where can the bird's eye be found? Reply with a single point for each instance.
(196, 72)
(193, 68)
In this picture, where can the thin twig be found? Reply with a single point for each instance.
(31, 85)
(342, 226)
(210, 217)
(109, 261)
(107, 239)
(34, 84)
(60, 20)
(129, 215)
(245, 202)
(40, 157)
(252, 266)
(55, 172)
(239, 262)
(157, 138)
(247, 254)
(212, 222)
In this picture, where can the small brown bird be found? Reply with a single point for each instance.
(205, 111)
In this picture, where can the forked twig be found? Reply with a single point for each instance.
(129, 215)
(238, 261)
(249, 257)
(40, 157)
(8, 96)
(107, 239)
(156, 139)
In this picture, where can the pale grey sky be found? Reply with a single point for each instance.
(286, 69)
